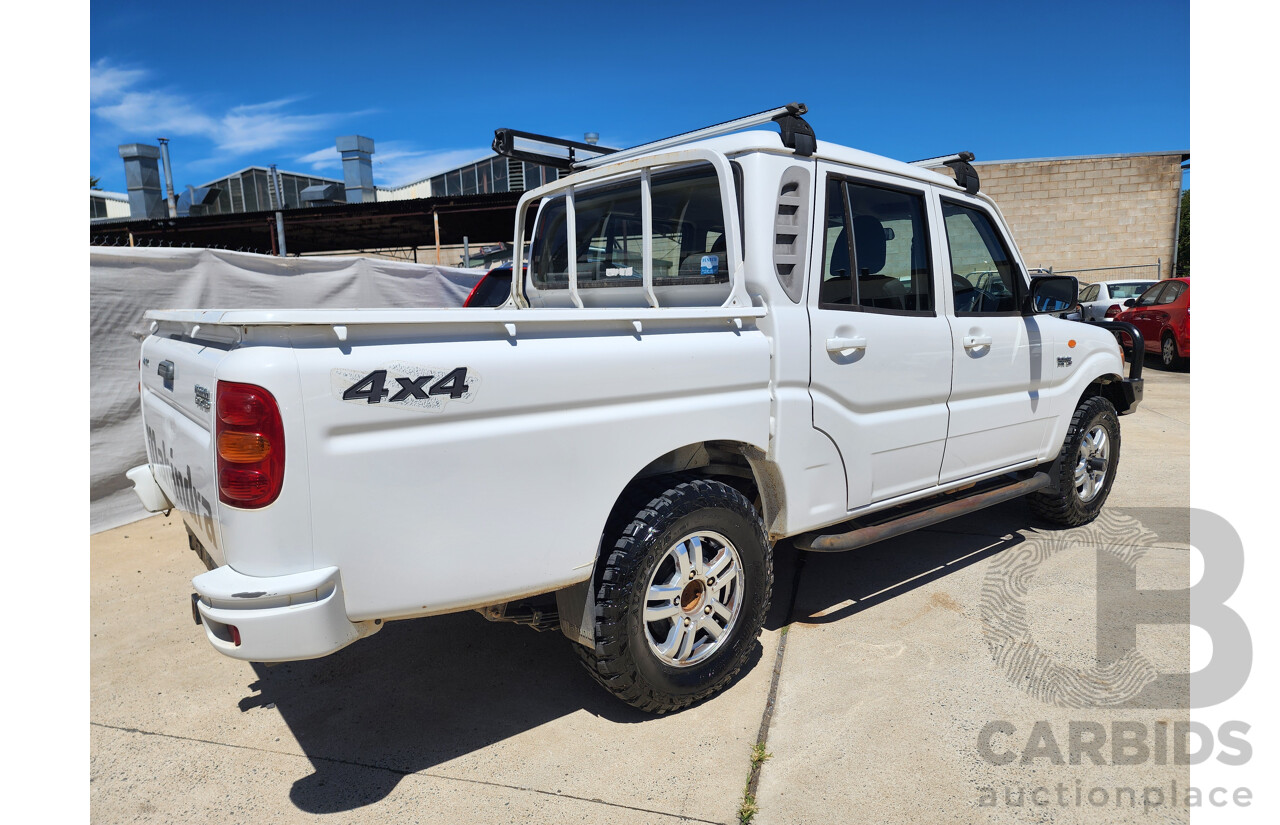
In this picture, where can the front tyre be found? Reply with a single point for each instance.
(685, 588)
(1085, 468)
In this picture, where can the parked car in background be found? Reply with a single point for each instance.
(1163, 315)
(1105, 299)
(493, 289)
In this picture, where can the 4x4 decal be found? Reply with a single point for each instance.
(405, 385)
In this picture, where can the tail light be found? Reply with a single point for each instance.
(1113, 311)
(250, 446)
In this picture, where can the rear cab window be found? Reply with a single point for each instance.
(689, 243)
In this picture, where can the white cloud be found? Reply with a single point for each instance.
(320, 159)
(124, 99)
(108, 82)
(121, 99)
(156, 114)
(259, 126)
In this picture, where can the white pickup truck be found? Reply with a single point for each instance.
(717, 343)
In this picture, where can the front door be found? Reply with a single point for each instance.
(997, 417)
(880, 346)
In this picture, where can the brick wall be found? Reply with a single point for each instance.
(1087, 212)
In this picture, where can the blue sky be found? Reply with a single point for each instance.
(234, 84)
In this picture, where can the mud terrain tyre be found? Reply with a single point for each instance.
(685, 587)
(1084, 470)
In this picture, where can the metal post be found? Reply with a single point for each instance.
(466, 252)
(435, 220)
(168, 177)
(280, 233)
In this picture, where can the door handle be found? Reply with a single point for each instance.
(842, 344)
(975, 341)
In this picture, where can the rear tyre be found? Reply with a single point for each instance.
(1085, 468)
(685, 588)
(1169, 357)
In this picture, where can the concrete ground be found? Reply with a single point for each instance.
(875, 675)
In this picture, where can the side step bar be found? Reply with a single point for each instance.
(862, 536)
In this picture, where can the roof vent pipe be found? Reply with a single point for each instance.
(357, 168)
(142, 178)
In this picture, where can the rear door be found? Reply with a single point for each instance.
(880, 347)
(1150, 312)
(996, 418)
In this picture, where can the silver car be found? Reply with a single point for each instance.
(1098, 300)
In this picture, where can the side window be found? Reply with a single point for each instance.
(1173, 292)
(1090, 293)
(877, 250)
(984, 277)
(1152, 296)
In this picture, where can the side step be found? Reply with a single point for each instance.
(862, 536)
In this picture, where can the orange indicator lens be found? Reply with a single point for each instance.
(242, 448)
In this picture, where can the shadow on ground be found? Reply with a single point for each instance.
(426, 691)
(420, 693)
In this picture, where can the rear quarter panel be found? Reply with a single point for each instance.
(505, 492)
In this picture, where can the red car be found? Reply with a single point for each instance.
(1163, 315)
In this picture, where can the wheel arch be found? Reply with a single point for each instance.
(1109, 387)
(738, 464)
(742, 466)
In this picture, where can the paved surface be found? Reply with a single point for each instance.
(885, 681)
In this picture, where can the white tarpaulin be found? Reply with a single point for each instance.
(125, 283)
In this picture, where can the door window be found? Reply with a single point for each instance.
(984, 277)
(1153, 296)
(876, 255)
(1090, 294)
(1172, 292)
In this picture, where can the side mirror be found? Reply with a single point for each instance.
(1052, 293)
(1128, 302)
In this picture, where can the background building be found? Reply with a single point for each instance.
(106, 205)
(1089, 214)
(250, 190)
(485, 177)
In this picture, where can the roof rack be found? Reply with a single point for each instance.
(958, 163)
(797, 134)
(504, 143)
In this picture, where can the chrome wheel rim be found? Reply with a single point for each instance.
(693, 599)
(1168, 350)
(1092, 463)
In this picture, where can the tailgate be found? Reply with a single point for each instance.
(178, 386)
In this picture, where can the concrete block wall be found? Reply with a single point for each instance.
(1089, 212)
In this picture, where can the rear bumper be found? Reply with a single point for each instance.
(276, 618)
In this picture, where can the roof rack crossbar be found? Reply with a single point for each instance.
(966, 176)
(797, 134)
(504, 143)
